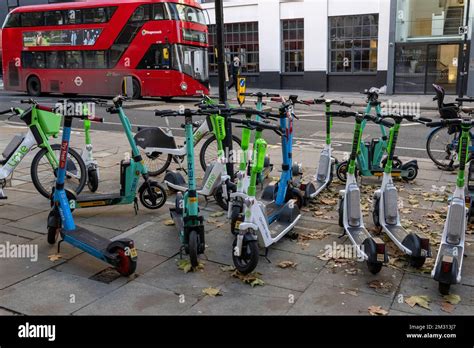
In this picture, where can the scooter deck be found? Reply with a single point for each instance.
(90, 238)
(397, 231)
(359, 234)
(99, 199)
(271, 208)
(282, 228)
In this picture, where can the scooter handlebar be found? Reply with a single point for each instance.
(9, 111)
(465, 100)
(260, 94)
(96, 119)
(256, 124)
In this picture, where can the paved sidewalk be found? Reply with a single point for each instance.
(78, 284)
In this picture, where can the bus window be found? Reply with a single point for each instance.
(55, 60)
(32, 19)
(94, 15)
(74, 60)
(53, 18)
(95, 60)
(33, 60)
(111, 11)
(141, 14)
(159, 12)
(192, 61)
(185, 13)
(12, 20)
(73, 17)
(157, 57)
(115, 53)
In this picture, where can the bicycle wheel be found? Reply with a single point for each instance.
(156, 162)
(442, 146)
(209, 150)
(44, 177)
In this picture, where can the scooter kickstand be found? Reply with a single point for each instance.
(135, 205)
(266, 255)
(59, 246)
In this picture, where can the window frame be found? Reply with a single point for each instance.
(353, 48)
(284, 51)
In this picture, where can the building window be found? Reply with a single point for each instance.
(353, 44)
(241, 40)
(293, 45)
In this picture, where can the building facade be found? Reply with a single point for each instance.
(347, 45)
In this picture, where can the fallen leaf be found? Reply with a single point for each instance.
(185, 265)
(447, 307)
(169, 222)
(318, 213)
(353, 293)
(252, 278)
(213, 292)
(54, 257)
(227, 268)
(422, 301)
(381, 287)
(352, 271)
(217, 214)
(328, 201)
(452, 298)
(315, 235)
(287, 264)
(377, 310)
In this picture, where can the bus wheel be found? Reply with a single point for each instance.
(167, 99)
(33, 86)
(137, 89)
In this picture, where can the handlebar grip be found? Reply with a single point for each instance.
(272, 95)
(45, 108)
(96, 119)
(424, 119)
(435, 124)
(276, 99)
(26, 101)
(386, 123)
(347, 105)
(343, 113)
(320, 101)
(162, 113)
(308, 102)
(9, 111)
(465, 100)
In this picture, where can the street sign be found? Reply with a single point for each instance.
(242, 81)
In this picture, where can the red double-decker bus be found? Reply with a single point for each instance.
(89, 47)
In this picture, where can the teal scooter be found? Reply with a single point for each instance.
(372, 155)
(185, 214)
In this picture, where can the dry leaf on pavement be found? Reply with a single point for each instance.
(287, 264)
(422, 301)
(213, 292)
(377, 310)
(54, 257)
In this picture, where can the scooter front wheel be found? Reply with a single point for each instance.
(193, 248)
(417, 262)
(374, 267)
(375, 213)
(53, 233)
(92, 179)
(156, 199)
(248, 259)
(341, 171)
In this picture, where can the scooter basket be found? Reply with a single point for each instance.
(456, 216)
(49, 122)
(324, 164)
(353, 205)
(391, 205)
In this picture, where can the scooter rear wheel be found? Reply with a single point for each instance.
(127, 265)
(375, 213)
(374, 267)
(248, 260)
(417, 262)
(159, 194)
(444, 288)
(193, 248)
(341, 212)
(412, 173)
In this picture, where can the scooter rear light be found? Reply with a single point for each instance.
(446, 267)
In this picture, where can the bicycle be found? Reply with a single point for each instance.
(442, 143)
(43, 123)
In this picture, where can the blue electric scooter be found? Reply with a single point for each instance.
(121, 253)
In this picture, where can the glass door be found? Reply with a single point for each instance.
(442, 67)
(410, 68)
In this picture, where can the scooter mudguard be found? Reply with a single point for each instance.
(175, 178)
(376, 252)
(323, 167)
(391, 205)
(54, 219)
(289, 212)
(412, 163)
(419, 247)
(353, 204)
(446, 270)
(309, 190)
(269, 192)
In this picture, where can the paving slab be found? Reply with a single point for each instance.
(168, 276)
(139, 299)
(14, 213)
(412, 286)
(15, 231)
(321, 299)
(54, 293)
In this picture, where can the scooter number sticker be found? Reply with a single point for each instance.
(237, 225)
(381, 257)
(133, 253)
